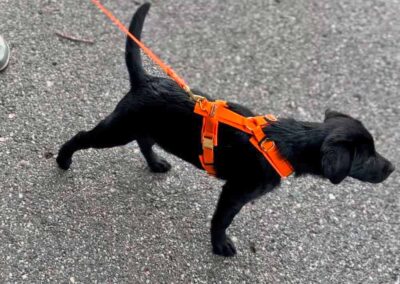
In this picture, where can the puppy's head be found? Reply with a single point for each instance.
(348, 150)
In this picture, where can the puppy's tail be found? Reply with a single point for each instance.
(132, 50)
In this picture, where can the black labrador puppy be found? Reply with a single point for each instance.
(156, 110)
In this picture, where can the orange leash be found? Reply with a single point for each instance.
(168, 70)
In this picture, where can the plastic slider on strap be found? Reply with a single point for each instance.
(268, 148)
(267, 145)
(208, 143)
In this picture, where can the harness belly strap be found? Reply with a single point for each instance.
(215, 112)
(209, 136)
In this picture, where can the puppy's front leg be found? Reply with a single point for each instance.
(233, 197)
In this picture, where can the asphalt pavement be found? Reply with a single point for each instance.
(109, 220)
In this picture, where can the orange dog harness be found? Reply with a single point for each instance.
(217, 112)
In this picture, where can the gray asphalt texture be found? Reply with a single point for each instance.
(109, 220)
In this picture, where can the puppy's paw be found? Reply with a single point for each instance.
(63, 163)
(160, 166)
(224, 247)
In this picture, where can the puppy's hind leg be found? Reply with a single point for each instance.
(155, 163)
(113, 131)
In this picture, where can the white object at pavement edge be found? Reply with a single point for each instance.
(4, 53)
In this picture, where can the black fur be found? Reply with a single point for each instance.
(337, 148)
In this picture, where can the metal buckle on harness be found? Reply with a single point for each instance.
(270, 117)
(263, 146)
(208, 143)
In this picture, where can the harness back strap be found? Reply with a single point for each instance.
(215, 112)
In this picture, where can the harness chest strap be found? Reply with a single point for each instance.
(215, 112)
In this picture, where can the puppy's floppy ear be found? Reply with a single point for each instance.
(331, 114)
(336, 160)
